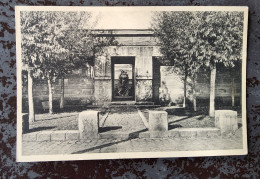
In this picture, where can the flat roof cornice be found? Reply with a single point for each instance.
(123, 32)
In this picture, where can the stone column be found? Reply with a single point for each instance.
(88, 123)
(158, 124)
(226, 120)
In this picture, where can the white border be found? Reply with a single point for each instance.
(91, 156)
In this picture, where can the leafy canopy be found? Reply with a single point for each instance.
(54, 43)
(193, 39)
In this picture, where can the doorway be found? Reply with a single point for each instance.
(123, 83)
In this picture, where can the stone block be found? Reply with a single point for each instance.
(159, 134)
(208, 132)
(25, 123)
(44, 136)
(188, 132)
(158, 124)
(174, 133)
(30, 136)
(124, 136)
(226, 120)
(58, 135)
(113, 135)
(144, 135)
(88, 123)
(72, 135)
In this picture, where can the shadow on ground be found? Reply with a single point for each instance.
(71, 108)
(170, 127)
(109, 128)
(56, 117)
(132, 135)
(38, 129)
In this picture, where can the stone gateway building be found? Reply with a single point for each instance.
(134, 71)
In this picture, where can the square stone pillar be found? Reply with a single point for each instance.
(88, 123)
(226, 120)
(158, 124)
(25, 123)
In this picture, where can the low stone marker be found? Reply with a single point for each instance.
(25, 122)
(226, 120)
(158, 124)
(88, 123)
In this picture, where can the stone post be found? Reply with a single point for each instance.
(158, 124)
(226, 120)
(88, 123)
(25, 123)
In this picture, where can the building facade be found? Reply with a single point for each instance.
(133, 71)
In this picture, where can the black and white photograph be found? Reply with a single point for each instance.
(130, 82)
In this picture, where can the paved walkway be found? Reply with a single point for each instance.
(126, 119)
(131, 145)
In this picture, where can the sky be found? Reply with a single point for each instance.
(123, 19)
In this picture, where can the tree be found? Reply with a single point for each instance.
(29, 50)
(59, 44)
(177, 33)
(194, 39)
(220, 41)
(83, 45)
(43, 54)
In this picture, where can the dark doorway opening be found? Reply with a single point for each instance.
(123, 81)
(156, 79)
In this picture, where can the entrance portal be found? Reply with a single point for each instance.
(123, 78)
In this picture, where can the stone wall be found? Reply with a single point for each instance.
(77, 91)
(225, 81)
(96, 87)
(143, 72)
(144, 91)
(102, 90)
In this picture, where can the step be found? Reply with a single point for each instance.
(187, 133)
(132, 103)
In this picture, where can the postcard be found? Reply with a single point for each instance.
(130, 82)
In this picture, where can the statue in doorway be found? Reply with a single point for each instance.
(123, 84)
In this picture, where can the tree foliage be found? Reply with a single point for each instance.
(177, 35)
(193, 39)
(56, 42)
(220, 38)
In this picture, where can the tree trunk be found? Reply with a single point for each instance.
(50, 96)
(233, 92)
(30, 97)
(194, 96)
(62, 94)
(212, 91)
(185, 93)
